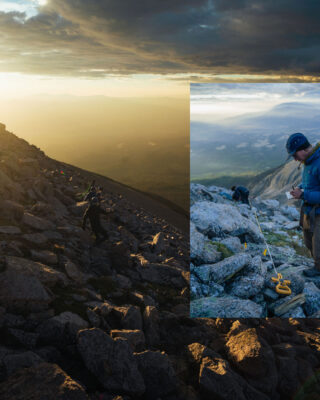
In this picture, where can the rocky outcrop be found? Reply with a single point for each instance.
(229, 230)
(79, 321)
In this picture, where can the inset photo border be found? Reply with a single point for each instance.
(255, 200)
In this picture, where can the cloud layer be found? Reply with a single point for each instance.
(102, 37)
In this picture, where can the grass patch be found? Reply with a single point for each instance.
(276, 239)
(223, 249)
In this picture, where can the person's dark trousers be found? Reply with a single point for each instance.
(245, 198)
(312, 239)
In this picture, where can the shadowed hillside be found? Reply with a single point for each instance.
(79, 321)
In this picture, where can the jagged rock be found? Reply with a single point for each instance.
(270, 294)
(268, 226)
(212, 289)
(312, 296)
(197, 351)
(124, 282)
(269, 204)
(44, 381)
(295, 313)
(157, 372)
(202, 250)
(44, 256)
(37, 222)
(14, 362)
(247, 286)
(291, 212)
(20, 337)
(12, 320)
(292, 225)
(61, 329)
(151, 325)
(296, 282)
(11, 210)
(93, 318)
(224, 307)
(35, 238)
(217, 380)
(215, 220)
(254, 358)
(47, 275)
(199, 192)
(135, 338)
(130, 317)
(162, 274)
(223, 270)
(20, 291)
(143, 299)
(233, 244)
(111, 361)
(10, 230)
(73, 272)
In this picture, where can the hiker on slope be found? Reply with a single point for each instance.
(301, 150)
(93, 213)
(241, 193)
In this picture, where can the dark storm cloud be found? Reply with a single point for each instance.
(80, 37)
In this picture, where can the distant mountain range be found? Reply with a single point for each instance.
(251, 143)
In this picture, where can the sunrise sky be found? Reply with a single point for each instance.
(119, 71)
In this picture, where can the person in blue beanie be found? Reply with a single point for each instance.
(301, 150)
(241, 193)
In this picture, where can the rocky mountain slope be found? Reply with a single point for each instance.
(232, 270)
(275, 183)
(79, 321)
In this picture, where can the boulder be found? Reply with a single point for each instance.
(252, 356)
(38, 223)
(247, 286)
(216, 220)
(223, 270)
(162, 274)
(61, 329)
(130, 316)
(11, 210)
(10, 230)
(35, 238)
(312, 296)
(135, 338)
(46, 275)
(202, 250)
(111, 361)
(13, 362)
(43, 381)
(22, 292)
(225, 307)
(233, 244)
(217, 380)
(158, 373)
(73, 272)
(44, 256)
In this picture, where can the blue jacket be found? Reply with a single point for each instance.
(311, 181)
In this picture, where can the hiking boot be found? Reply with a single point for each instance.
(311, 273)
